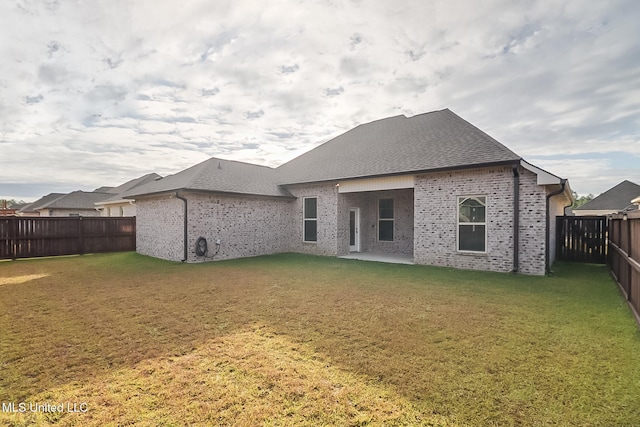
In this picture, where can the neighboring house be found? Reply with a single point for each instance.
(103, 201)
(31, 209)
(432, 187)
(77, 203)
(116, 204)
(614, 200)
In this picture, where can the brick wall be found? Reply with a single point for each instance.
(245, 225)
(436, 204)
(160, 227)
(533, 204)
(328, 224)
(249, 226)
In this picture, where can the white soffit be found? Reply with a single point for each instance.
(544, 177)
(376, 184)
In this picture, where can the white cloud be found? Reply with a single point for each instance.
(115, 89)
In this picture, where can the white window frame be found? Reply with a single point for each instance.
(305, 219)
(459, 201)
(392, 220)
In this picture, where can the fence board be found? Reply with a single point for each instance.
(582, 239)
(22, 237)
(624, 258)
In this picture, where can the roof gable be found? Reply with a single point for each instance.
(218, 175)
(616, 198)
(431, 141)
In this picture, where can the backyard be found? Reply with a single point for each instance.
(123, 339)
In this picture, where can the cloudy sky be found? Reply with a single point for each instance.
(96, 92)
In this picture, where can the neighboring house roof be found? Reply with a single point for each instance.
(122, 190)
(31, 207)
(225, 176)
(75, 200)
(400, 144)
(150, 177)
(615, 199)
(104, 189)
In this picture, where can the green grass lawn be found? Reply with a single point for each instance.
(300, 340)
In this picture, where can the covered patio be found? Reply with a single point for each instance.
(376, 219)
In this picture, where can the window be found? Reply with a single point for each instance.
(385, 220)
(472, 225)
(310, 215)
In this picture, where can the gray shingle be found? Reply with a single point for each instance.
(121, 191)
(430, 141)
(219, 175)
(618, 198)
(76, 200)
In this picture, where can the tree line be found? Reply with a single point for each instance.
(579, 201)
(10, 203)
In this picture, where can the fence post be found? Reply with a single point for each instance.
(13, 238)
(629, 267)
(80, 236)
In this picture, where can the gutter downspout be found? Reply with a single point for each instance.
(516, 219)
(178, 196)
(547, 267)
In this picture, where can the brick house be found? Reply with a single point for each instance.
(432, 187)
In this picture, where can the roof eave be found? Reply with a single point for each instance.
(513, 162)
(198, 190)
(112, 202)
(547, 178)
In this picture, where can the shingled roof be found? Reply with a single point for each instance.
(425, 142)
(617, 198)
(439, 140)
(31, 207)
(75, 200)
(219, 175)
(123, 190)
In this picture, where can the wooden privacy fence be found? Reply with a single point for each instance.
(582, 239)
(624, 256)
(22, 237)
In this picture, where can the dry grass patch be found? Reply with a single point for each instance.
(294, 339)
(15, 280)
(253, 377)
